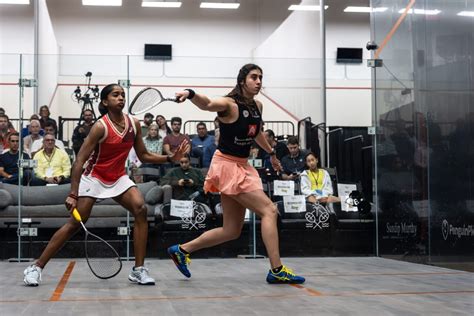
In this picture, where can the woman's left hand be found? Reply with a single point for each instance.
(182, 150)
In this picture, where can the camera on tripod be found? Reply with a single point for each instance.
(90, 95)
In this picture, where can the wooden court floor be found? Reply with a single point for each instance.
(334, 286)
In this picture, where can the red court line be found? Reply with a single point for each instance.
(399, 293)
(309, 290)
(62, 283)
(280, 106)
(394, 29)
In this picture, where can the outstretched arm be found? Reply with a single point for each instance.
(203, 102)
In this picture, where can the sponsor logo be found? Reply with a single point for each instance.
(252, 130)
(196, 221)
(401, 228)
(245, 113)
(456, 231)
(318, 217)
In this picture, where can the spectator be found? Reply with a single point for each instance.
(209, 151)
(154, 144)
(173, 140)
(200, 143)
(9, 162)
(54, 166)
(316, 183)
(34, 135)
(38, 144)
(163, 128)
(44, 118)
(81, 131)
(5, 130)
(294, 162)
(183, 181)
(25, 131)
(216, 127)
(2, 111)
(153, 141)
(147, 120)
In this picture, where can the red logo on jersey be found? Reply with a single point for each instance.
(252, 130)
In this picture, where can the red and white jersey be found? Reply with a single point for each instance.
(107, 161)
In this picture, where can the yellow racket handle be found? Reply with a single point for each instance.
(76, 215)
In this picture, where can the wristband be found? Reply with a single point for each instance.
(273, 152)
(191, 93)
(73, 196)
(168, 158)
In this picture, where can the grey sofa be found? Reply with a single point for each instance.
(45, 204)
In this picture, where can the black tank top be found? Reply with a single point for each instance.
(236, 138)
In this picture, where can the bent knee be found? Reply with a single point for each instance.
(140, 210)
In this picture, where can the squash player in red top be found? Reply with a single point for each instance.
(99, 173)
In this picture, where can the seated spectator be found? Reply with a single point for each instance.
(5, 130)
(163, 128)
(45, 119)
(81, 131)
(147, 120)
(209, 151)
(54, 166)
(38, 144)
(216, 127)
(293, 163)
(154, 144)
(9, 172)
(316, 183)
(34, 135)
(183, 181)
(153, 141)
(281, 149)
(172, 141)
(25, 131)
(200, 142)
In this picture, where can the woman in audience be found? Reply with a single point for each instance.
(163, 128)
(240, 124)
(44, 114)
(105, 150)
(154, 144)
(316, 183)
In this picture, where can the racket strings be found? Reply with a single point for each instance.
(147, 99)
(102, 258)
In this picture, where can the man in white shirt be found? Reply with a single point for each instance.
(34, 129)
(49, 128)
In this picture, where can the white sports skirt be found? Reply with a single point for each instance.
(92, 187)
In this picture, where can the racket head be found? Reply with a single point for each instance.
(147, 99)
(102, 258)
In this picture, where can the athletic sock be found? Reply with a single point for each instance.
(183, 251)
(277, 270)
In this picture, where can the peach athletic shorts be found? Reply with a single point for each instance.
(231, 175)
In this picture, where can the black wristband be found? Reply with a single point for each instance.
(272, 153)
(168, 158)
(191, 93)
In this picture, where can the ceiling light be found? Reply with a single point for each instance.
(364, 9)
(301, 7)
(114, 3)
(161, 4)
(466, 13)
(219, 5)
(420, 11)
(14, 1)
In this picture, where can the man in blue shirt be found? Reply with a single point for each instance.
(293, 163)
(9, 162)
(200, 143)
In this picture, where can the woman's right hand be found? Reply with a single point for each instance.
(181, 96)
(70, 203)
